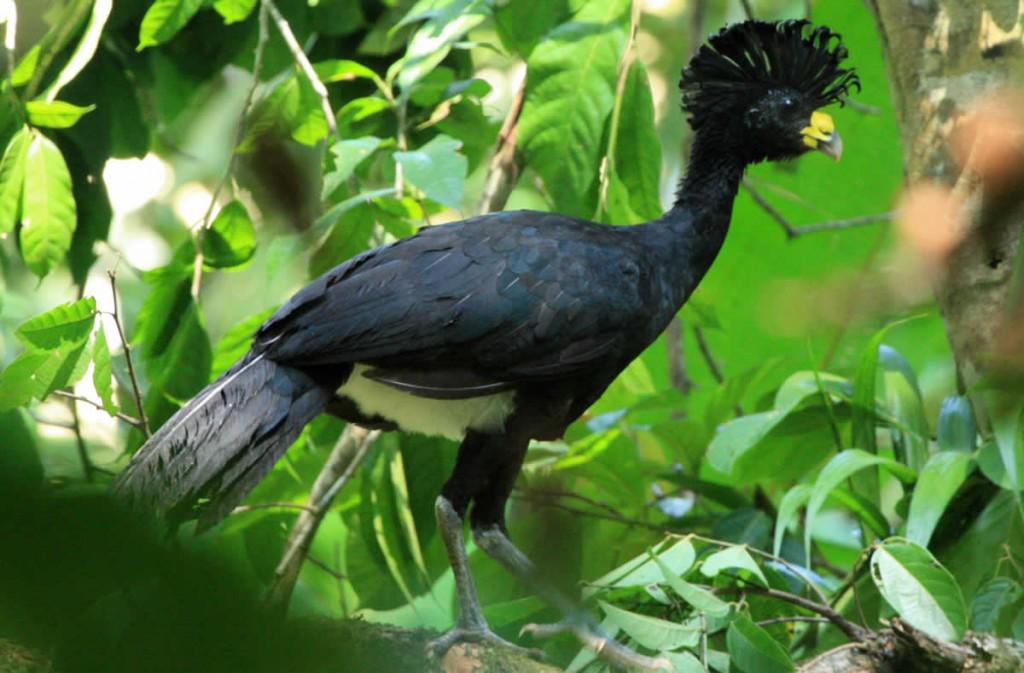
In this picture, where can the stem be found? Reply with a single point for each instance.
(134, 422)
(143, 423)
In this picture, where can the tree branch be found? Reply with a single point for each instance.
(830, 225)
(143, 422)
(134, 422)
(345, 457)
(506, 162)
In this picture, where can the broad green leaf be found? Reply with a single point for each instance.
(37, 373)
(102, 373)
(234, 11)
(48, 213)
(701, 599)
(343, 70)
(651, 632)
(437, 169)
(641, 570)
(638, 149)
(55, 115)
(1008, 427)
(903, 401)
(920, 590)
(571, 79)
(521, 25)
(84, 51)
(71, 322)
(992, 598)
(26, 67)
(407, 524)
(842, 466)
(753, 650)
(734, 557)
(12, 179)
(937, 484)
(864, 393)
(236, 341)
(990, 461)
(956, 430)
(378, 505)
(20, 465)
(683, 661)
(446, 23)
(794, 499)
(347, 155)
(231, 239)
(865, 510)
(164, 19)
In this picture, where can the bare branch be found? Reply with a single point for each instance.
(853, 631)
(748, 10)
(134, 422)
(794, 618)
(863, 108)
(677, 373)
(345, 457)
(507, 162)
(831, 225)
(705, 351)
(143, 422)
(303, 62)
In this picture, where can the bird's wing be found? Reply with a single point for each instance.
(472, 307)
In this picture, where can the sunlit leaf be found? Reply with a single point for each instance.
(678, 557)
(102, 373)
(732, 558)
(231, 239)
(794, 499)
(12, 179)
(164, 19)
(437, 169)
(937, 484)
(445, 24)
(56, 115)
(48, 212)
(919, 588)
(234, 11)
(701, 599)
(71, 322)
(84, 50)
(753, 650)
(651, 632)
(347, 155)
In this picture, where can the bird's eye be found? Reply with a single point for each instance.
(788, 103)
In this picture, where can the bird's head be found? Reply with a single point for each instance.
(761, 86)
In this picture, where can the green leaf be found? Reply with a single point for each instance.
(12, 179)
(921, 591)
(990, 461)
(733, 557)
(638, 149)
(231, 239)
(26, 67)
(437, 169)
(955, 429)
(400, 489)
(521, 25)
(234, 11)
(1008, 428)
(903, 401)
(641, 570)
(37, 373)
(164, 19)
(55, 115)
(347, 237)
(102, 373)
(865, 510)
(571, 79)
(347, 155)
(71, 322)
(84, 50)
(937, 484)
(651, 632)
(447, 21)
(236, 341)
(343, 70)
(794, 499)
(992, 598)
(701, 599)
(20, 466)
(682, 661)
(842, 466)
(753, 650)
(48, 207)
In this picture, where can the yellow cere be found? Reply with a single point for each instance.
(821, 128)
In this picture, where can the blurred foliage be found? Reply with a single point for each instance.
(820, 422)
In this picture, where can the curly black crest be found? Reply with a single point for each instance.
(744, 59)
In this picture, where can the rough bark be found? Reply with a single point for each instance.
(943, 56)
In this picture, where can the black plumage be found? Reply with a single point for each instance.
(514, 322)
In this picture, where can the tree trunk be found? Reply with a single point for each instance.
(943, 57)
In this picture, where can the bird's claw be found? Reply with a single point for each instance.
(461, 634)
(604, 646)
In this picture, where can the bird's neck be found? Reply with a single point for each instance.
(689, 236)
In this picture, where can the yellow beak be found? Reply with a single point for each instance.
(821, 135)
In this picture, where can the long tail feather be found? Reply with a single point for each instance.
(223, 442)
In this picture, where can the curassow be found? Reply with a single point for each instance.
(498, 329)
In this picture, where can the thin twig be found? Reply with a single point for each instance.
(706, 353)
(747, 9)
(862, 108)
(241, 509)
(303, 62)
(134, 422)
(347, 454)
(853, 631)
(240, 129)
(506, 162)
(143, 422)
(618, 518)
(323, 566)
(704, 641)
(401, 108)
(831, 225)
(571, 496)
(83, 452)
(794, 618)
(677, 374)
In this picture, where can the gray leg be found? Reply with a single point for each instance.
(471, 626)
(494, 541)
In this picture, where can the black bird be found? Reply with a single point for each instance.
(502, 328)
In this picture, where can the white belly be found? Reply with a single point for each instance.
(445, 418)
